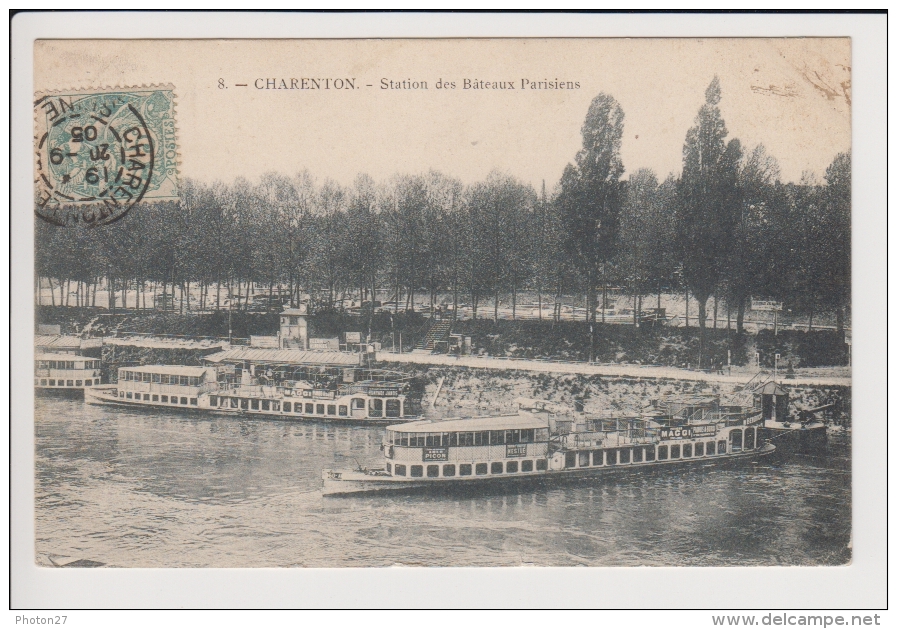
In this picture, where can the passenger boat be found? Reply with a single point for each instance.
(539, 445)
(65, 373)
(369, 396)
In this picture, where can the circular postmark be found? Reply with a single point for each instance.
(95, 156)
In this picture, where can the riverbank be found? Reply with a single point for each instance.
(834, 376)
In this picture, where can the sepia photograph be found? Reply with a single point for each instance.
(442, 302)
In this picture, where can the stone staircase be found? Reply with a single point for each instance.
(438, 331)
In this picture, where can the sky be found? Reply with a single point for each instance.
(791, 95)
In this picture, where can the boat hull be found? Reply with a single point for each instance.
(795, 438)
(357, 482)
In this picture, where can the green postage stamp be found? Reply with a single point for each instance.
(100, 152)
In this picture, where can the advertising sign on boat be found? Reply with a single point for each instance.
(515, 450)
(435, 454)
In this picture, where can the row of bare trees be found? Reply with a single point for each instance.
(726, 227)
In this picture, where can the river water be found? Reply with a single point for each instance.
(164, 489)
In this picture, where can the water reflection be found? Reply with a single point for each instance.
(154, 489)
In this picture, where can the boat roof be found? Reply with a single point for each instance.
(175, 370)
(60, 356)
(283, 357)
(57, 341)
(522, 421)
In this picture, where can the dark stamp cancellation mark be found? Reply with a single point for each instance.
(98, 153)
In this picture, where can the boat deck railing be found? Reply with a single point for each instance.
(276, 391)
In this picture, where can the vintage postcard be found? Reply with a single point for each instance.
(442, 302)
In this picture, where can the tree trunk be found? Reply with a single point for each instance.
(373, 299)
(715, 304)
(739, 320)
(539, 290)
(454, 299)
(839, 318)
(557, 303)
(93, 298)
(124, 294)
(702, 322)
(810, 326)
(68, 289)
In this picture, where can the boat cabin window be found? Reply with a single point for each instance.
(675, 451)
(393, 408)
(526, 466)
(376, 407)
(417, 470)
(319, 409)
(583, 459)
(542, 464)
(496, 437)
(637, 455)
(624, 455)
(213, 400)
(389, 468)
(497, 467)
(165, 398)
(699, 449)
(343, 410)
(513, 466)
(598, 457)
(331, 409)
(358, 403)
(749, 439)
(662, 453)
(570, 459)
(481, 469)
(400, 470)
(611, 456)
(448, 470)
(711, 448)
(721, 447)
(465, 469)
(686, 450)
(254, 404)
(432, 471)
(735, 437)
(649, 453)
(309, 409)
(287, 406)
